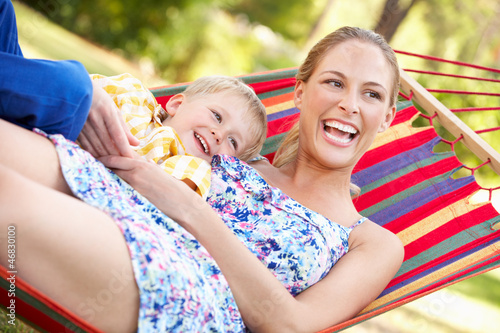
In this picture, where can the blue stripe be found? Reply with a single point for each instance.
(398, 205)
(281, 114)
(397, 162)
(447, 247)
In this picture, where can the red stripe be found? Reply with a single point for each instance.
(281, 125)
(38, 317)
(270, 157)
(456, 276)
(277, 99)
(448, 230)
(447, 256)
(404, 115)
(162, 100)
(430, 208)
(405, 182)
(33, 315)
(394, 148)
(263, 87)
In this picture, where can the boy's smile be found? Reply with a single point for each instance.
(210, 124)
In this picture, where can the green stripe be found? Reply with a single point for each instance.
(405, 194)
(440, 281)
(406, 170)
(35, 303)
(448, 245)
(474, 271)
(401, 105)
(283, 74)
(275, 93)
(272, 143)
(167, 91)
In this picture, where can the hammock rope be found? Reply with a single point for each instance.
(458, 63)
(487, 160)
(456, 76)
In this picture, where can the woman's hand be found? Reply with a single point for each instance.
(172, 196)
(105, 132)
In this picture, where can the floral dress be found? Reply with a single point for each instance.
(297, 244)
(181, 287)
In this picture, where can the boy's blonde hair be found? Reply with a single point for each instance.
(256, 111)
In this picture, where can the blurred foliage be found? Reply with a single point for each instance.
(185, 39)
(182, 36)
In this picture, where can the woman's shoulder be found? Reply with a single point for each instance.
(378, 241)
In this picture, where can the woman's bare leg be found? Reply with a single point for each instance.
(31, 155)
(70, 251)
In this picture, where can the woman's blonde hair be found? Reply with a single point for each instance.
(287, 151)
(257, 117)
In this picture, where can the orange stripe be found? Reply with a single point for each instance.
(277, 99)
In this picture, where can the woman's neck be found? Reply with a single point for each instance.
(322, 190)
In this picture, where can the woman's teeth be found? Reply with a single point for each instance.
(346, 132)
(203, 143)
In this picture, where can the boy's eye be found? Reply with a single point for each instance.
(234, 143)
(217, 116)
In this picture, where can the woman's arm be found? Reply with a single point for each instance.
(104, 132)
(265, 305)
(374, 257)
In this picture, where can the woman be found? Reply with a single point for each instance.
(346, 92)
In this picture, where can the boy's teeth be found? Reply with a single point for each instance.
(341, 127)
(203, 143)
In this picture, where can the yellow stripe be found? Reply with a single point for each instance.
(280, 107)
(436, 220)
(433, 277)
(396, 132)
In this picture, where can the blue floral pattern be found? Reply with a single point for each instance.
(181, 287)
(297, 244)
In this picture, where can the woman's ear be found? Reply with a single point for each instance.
(297, 93)
(173, 104)
(389, 117)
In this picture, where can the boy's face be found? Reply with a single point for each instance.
(211, 124)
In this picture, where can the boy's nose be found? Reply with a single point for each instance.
(217, 136)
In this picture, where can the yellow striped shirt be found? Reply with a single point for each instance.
(159, 143)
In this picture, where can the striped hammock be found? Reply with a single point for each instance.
(405, 187)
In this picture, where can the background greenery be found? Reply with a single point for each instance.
(173, 41)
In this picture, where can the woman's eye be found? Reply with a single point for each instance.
(373, 94)
(217, 116)
(335, 83)
(234, 143)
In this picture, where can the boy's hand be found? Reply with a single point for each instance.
(105, 132)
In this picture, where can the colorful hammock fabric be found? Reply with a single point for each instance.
(405, 187)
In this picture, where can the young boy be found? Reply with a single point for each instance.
(214, 115)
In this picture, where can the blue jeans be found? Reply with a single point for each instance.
(54, 96)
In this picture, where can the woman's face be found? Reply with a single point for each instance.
(344, 104)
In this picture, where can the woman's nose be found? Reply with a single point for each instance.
(349, 103)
